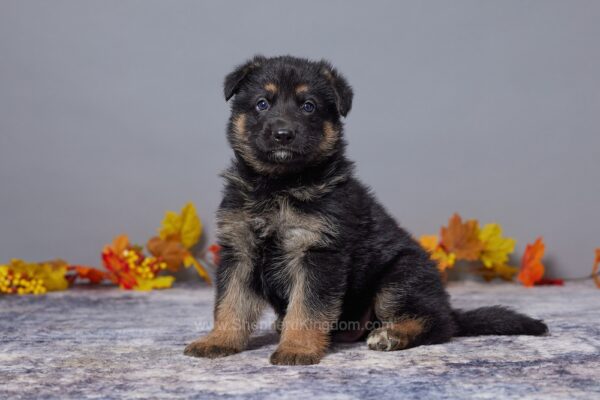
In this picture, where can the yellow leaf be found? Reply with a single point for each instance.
(185, 227)
(53, 273)
(191, 227)
(160, 282)
(50, 273)
(429, 242)
(443, 258)
(495, 247)
(171, 225)
(502, 271)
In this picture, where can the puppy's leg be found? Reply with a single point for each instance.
(237, 309)
(413, 310)
(305, 329)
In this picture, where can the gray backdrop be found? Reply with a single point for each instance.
(111, 112)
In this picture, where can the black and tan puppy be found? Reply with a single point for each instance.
(300, 233)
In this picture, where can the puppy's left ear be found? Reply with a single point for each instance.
(343, 91)
(235, 79)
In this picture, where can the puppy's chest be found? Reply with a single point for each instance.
(276, 232)
(286, 230)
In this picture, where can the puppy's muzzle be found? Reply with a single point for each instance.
(282, 131)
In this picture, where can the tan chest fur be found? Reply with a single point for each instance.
(294, 231)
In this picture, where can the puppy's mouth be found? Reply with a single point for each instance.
(282, 155)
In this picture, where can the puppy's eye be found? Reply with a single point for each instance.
(262, 105)
(308, 107)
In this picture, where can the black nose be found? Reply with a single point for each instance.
(283, 136)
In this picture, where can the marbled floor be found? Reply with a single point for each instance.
(106, 343)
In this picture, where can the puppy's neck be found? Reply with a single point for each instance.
(308, 184)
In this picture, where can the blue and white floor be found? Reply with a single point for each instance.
(107, 343)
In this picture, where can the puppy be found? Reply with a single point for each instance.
(301, 234)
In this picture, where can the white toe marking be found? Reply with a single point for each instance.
(379, 337)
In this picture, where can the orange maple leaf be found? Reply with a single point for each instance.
(532, 269)
(595, 275)
(169, 250)
(119, 244)
(95, 276)
(462, 238)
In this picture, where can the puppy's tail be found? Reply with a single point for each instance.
(496, 320)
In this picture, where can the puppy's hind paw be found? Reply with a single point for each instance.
(383, 339)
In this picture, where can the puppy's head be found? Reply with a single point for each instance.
(286, 113)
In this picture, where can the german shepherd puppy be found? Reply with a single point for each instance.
(300, 233)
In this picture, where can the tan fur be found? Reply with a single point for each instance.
(239, 125)
(398, 335)
(239, 308)
(405, 332)
(298, 232)
(235, 318)
(330, 137)
(271, 87)
(302, 88)
(305, 335)
(241, 144)
(411, 327)
(234, 229)
(309, 341)
(327, 73)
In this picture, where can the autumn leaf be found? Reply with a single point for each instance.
(171, 252)
(160, 282)
(119, 271)
(532, 269)
(95, 276)
(25, 277)
(177, 235)
(118, 245)
(184, 227)
(502, 271)
(53, 274)
(462, 239)
(595, 271)
(429, 242)
(496, 248)
(443, 259)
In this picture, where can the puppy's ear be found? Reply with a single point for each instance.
(343, 91)
(234, 80)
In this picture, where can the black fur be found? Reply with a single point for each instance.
(294, 216)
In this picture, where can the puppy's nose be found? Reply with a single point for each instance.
(284, 136)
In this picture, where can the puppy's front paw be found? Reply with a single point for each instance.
(286, 357)
(209, 349)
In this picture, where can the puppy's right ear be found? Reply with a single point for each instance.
(234, 80)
